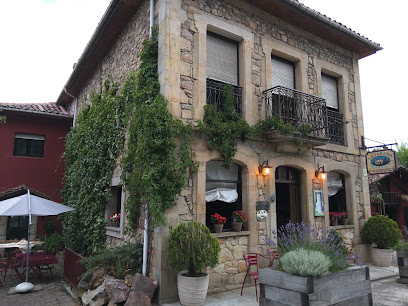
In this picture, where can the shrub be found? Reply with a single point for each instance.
(54, 243)
(404, 244)
(294, 236)
(305, 262)
(117, 261)
(192, 247)
(382, 231)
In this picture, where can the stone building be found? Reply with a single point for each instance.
(282, 58)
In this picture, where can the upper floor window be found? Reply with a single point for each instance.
(28, 145)
(222, 59)
(329, 91)
(283, 72)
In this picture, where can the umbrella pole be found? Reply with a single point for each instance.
(28, 238)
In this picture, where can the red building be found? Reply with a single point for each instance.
(32, 143)
(393, 188)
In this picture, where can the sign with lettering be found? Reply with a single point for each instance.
(379, 162)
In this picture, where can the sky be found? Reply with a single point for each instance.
(42, 39)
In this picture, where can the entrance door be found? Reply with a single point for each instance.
(287, 196)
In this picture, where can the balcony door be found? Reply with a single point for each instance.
(288, 202)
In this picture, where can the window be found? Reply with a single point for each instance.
(329, 91)
(114, 206)
(28, 145)
(336, 192)
(222, 59)
(17, 227)
(283, 73)
(223, 191)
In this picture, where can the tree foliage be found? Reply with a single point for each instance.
(402, 154)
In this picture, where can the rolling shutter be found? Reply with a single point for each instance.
(329, 91)
(222, 59)
(283, 73)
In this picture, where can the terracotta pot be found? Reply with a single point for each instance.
(192, 290)
(381, 257)
(236, 226)
(344, 221)
(218, 228)
(334, 222)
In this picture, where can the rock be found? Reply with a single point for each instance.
(129, 280)
(137, 299)
(144, 284)
(117, 290)
(112, 303)
(84, 284)
(100, 301)
(91, 294)
(97, 278)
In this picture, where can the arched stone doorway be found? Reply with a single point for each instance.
(288, 202)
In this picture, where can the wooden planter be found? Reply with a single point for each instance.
(402, 256)
(348, 287)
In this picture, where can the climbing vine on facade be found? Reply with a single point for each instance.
(92, 148)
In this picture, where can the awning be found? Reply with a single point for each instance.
(221, 194)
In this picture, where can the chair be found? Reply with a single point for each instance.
(11, 263)
(251, 260)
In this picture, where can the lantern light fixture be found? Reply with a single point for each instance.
(264, 168)
(320, 170)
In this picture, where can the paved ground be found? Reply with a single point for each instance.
(51, 294)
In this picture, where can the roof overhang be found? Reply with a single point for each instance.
(119, 13)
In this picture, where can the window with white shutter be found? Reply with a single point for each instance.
(329, 91)
(283, 73)
(222, 59)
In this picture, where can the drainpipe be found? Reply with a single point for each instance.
(75, 105)
(146, 222)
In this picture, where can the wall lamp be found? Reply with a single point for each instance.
(320, 170)
(264, 168)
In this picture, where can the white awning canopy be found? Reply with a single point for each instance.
(221, 194)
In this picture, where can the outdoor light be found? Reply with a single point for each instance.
(264, 168)
(321, 171)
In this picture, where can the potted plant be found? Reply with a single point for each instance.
(344, 217)
(115, 219)
(402, 255)
(385, 234)
(313, 270)
(334, 218)
(191, 249)
(238, 218)
(218, 222)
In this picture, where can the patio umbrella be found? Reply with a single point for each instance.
(30, 205)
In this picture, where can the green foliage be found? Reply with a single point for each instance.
(159, 165)
(375, 194)
(192, 247)
(224, 127)
(2, 118)
(382, 231)
(92, 148)
(54, 243)
(304, 262)
(402, 154)
(117, 261)
(49, 227)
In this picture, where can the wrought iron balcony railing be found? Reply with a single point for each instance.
(392, 198)
(297, 108)
(214, 95)
(335, 126)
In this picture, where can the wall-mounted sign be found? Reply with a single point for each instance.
(379, 162)
(261, 215)
(318, 203)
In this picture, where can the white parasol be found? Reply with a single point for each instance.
(30, 205)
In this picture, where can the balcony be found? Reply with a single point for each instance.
(298, 108)
(392, 198)
(335, 126)
(214, 95)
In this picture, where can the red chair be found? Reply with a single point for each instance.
(11, 263)
(251, 260)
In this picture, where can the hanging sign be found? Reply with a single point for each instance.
(380, 162)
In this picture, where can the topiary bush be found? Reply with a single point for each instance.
(192, 247)
(304, 262)
(382, 231)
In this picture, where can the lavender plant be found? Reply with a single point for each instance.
(295, 236)
(404, 244)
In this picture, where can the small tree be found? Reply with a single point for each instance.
(192, 247)
(382, 231)
(402, 154)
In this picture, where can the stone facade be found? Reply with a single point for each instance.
(183, 26)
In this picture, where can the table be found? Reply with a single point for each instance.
(36, 261)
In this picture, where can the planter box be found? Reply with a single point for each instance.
(402, 256)
(349, 287)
